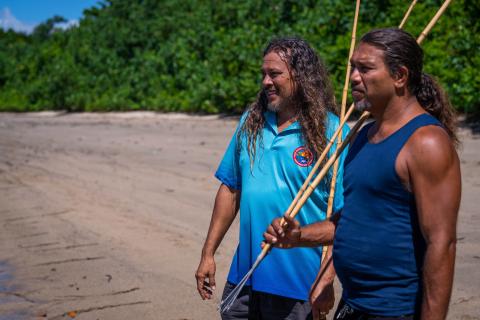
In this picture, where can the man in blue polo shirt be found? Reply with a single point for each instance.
(270, 155)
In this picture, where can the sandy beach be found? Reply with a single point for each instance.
(103, 216)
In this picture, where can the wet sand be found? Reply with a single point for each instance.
(103, 216)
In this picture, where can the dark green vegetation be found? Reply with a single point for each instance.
(205, 56)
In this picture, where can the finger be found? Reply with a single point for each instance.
(291, 221)
(278, 227)
(269, 238)
(271, 230)
(200, 281)
(206, 287)
(207, 290)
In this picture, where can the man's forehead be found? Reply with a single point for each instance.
(274, 59)
(367, 53)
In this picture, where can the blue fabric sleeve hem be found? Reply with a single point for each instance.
(228, 182)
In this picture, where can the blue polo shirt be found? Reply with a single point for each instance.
(268, 186)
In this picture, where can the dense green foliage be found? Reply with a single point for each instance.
(205, 56)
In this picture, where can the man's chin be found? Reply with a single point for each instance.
(274, 107)
(362, 105)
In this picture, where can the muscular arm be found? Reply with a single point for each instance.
(225, 209)
(434, 175)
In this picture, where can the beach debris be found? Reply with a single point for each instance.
(72, 314)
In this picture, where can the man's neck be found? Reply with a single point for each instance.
(395, 115)
(285, 118)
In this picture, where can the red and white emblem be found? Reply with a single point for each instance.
(302, 156)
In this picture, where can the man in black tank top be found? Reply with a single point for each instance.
(394, 241)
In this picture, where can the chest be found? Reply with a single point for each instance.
(281, 161)
(376, 170)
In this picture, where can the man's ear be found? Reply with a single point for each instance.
(401, 77)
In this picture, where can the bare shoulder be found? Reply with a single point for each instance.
(430, 151)
(434, 172)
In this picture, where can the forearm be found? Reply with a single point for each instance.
(327, 273)
(224, 212)
(322, 296)
(438, 272)
(317, 234)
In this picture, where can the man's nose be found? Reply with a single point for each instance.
(355, 77)
(267, 81)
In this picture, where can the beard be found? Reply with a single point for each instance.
(274, 107)
(285, 102)
(362, 105)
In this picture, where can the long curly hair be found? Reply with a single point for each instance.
(401, 49)
(313, 96)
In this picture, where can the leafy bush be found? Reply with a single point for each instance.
(205, 56)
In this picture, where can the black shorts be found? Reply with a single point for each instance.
(254, 305)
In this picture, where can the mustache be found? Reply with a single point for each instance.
(357, 89)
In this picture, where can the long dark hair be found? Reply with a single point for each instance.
(313, 96)
(401, 49)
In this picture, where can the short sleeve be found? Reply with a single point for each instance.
(228, 171)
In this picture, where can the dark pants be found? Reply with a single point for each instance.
(345, 312)
(254, 305)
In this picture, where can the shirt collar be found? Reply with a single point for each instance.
(271, 120)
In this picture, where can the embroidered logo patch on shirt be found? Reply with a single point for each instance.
(302, 156)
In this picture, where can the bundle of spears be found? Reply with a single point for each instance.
(307, 187)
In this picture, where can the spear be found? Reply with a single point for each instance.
(342, 116)
(407, 14)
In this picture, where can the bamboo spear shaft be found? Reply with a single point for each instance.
(331, 196)
(414, 2)
(433, 21)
